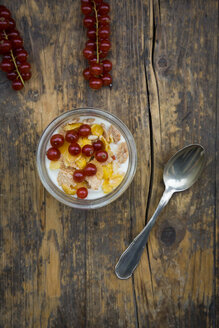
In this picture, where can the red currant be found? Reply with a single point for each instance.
(90, 169)
(24, 67)
(12, 76)
(88, 150)
(91, 44)
(104, 8)
(84, 130)
(17, 42)
(104, 32)
(5, 13)
(17, 85)
(104, 20)
(78, 175)
(82, 192)
(53, 154)
(7, 65)
(11, 24)
(71, 136)
(86, 8)
(105, 45)
(21, 55)
(86, 73)
(107, 65)
(13, 34)
(98, 1)
(57, 140)
(4, 23)
(74, 149)
(26, 76)
(89, 21)
(107, 79)
(91, 33)
(88, 53)
(93, 60)
(103, 54)
(95, 83)
(101, 156)
(5, 46)
(96, 69)
(98, 145)
(85, 2)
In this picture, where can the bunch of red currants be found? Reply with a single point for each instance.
(14, 60)
(97, 22)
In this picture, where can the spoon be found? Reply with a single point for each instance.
(180, 173)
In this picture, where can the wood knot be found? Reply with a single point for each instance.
(162, 63)
(168, 235)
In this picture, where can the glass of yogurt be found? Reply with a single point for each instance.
(86, 158)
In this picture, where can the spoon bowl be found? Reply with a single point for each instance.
(184, 168)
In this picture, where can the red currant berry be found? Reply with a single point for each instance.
(78, 175)
(21, 55)
(85, 2)
(93, 60)
(86, 74)
(91, 33)
(7, 65)
(11, 24)
(105, 45)
(26, 76)
(89, 21)
(90, 170)
(74, 149)
(4, 23)
(12, 76)
(101, 156)
(2, 7)
(104, 20)
(53, 154)
(91, 44)
(17, 42)
(104, 32)
(5, 13)
(57, 140)
(88, 150)
(71, 136)
(5, 46)
(95, 83)
(88, 53)
(107, 79)
(104, 8)
(84, 130)
(96, 69)
(98, 1)
(103, 54)
(13, 34)
(98, 145)
(24, 67)
(107, 65)
(82, 192)
(86, 8)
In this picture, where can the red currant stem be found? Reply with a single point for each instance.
(14, 61)
(95, 11)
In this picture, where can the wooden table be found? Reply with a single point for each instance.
(57, 263)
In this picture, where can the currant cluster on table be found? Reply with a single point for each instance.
(95, 150)
(97, 22)
(14, 60)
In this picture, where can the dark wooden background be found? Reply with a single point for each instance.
(57, 264)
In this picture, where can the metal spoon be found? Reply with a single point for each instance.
(180, 173)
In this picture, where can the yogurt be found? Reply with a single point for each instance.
(114, 169)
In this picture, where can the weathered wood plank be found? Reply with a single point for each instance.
(57, 264)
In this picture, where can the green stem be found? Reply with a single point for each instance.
(14, 61)
(97, 26)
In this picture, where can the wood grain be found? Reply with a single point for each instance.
(57, 264)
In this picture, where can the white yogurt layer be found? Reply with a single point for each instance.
(121, 168)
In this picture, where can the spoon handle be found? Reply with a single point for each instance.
(131, 256)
